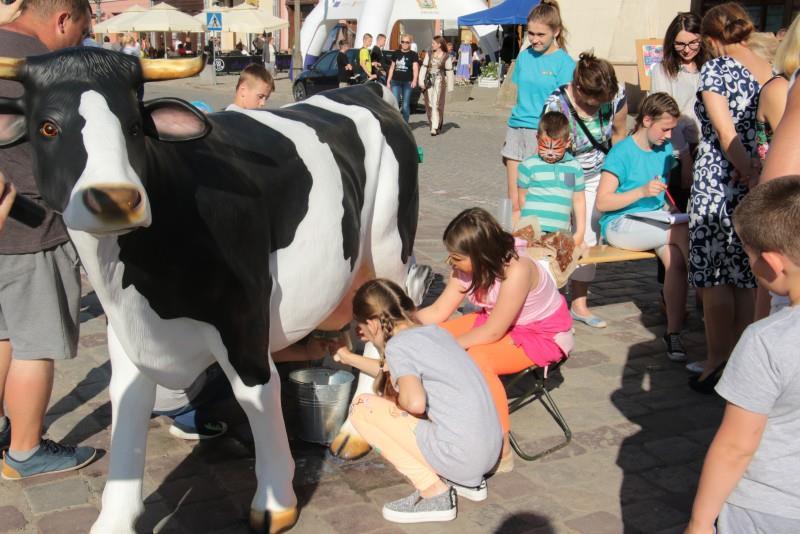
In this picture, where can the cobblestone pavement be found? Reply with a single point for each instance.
(639, 433)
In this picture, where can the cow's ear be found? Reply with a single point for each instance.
(12, 123)
(173, 120)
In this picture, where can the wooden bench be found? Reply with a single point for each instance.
(608, 254)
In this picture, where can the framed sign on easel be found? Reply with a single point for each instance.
(649, 53)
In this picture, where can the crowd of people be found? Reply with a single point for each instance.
(707, 178)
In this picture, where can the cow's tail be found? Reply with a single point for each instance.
(388, 96)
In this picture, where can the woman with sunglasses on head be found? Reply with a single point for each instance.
(539, 70)
(403, 74)
(437, 77)
(678, 75)
(597, 109)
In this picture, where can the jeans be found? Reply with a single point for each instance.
(405, 87)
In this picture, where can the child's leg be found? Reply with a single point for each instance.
(460, 325)
(391, 431)
(676, 284)
(495, 359)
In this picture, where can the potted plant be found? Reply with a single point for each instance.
(490, 75)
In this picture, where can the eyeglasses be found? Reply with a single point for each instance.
(405, 42)
(693, 45)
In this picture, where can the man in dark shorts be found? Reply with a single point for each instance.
(40, 283)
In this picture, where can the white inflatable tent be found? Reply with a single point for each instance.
(380, 16)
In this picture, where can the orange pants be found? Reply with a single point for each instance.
(390, 430)
(494, 359)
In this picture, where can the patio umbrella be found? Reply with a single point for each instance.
(245, 18)
(119, 23)
(164, 18)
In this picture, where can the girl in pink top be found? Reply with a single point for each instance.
(524, 320)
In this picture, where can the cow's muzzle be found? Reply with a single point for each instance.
(118, 203)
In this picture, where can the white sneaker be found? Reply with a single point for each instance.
(209, 430)
(695, 367)
(476, 494)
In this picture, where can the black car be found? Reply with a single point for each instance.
(324, 75)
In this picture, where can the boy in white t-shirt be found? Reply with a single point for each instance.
(749, 480)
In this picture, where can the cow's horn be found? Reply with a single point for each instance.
(11, 68)
(171, 69)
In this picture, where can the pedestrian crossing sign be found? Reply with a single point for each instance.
(214, 22)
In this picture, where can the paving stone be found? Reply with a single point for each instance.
(354, 518)
(585, 358)
(189, 490)
(674, 450)
(652, 516)
(11, 519)
(328, 495)
(74, 521)
(597, 523)
(57, 495)
(677, 479)
(206, 517)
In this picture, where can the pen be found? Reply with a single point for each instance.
(669, 197)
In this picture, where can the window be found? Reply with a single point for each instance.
(327, 62)
(767, 15)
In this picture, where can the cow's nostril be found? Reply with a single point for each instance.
(112, 201)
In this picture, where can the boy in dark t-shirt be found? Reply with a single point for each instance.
(343, 64)
(403, 74)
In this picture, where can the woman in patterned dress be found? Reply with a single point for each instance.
(725, 166)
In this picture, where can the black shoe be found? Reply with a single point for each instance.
(675, 350)
(707, 385)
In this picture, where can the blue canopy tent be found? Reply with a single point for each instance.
(509, 12)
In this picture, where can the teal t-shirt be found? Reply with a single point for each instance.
(550, 189)
(537, 76)
(634, 167)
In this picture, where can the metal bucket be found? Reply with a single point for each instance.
(322, 397)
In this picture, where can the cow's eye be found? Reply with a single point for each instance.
(48, 129)
(135, 129)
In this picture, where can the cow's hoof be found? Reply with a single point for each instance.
(349, 446)
(268, 522)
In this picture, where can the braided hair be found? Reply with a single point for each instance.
(385, 301)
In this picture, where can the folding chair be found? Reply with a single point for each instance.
(537, 391)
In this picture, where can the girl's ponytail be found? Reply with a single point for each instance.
(549, 13)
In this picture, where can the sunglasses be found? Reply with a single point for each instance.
(405, 42)
(692, 45)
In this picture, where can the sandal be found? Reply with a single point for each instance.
(591, 320)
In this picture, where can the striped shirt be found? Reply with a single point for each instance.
(550, 188)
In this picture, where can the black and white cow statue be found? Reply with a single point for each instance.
(212, 238)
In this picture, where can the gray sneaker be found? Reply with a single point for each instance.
(51, 457)
(415, 509)
(5, 435)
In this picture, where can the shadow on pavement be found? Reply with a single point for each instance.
(671, 427)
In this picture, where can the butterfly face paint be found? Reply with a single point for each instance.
(552, 150)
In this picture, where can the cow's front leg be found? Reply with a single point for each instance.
(274, 506)
(132, 398)
(348, 444)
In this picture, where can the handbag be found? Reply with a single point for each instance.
(602, 147)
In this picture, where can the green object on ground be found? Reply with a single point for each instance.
(420, 154)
